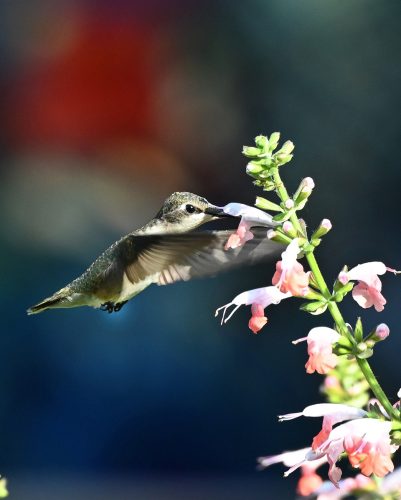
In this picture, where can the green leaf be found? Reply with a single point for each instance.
(358, 332)
(267, 204)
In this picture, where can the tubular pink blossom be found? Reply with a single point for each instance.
(288, 458)
(367, 292)
(320, 349)
(240, 237)
(309, 481)
(290, 275)
(367, 443)
(365, 440)
(258, 319)
(250, 216)
(339, 411)
(260, 298)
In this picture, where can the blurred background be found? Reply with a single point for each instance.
(107, 108)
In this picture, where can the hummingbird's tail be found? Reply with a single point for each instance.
(61, 298)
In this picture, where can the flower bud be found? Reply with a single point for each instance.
(273, 140)
(307, 183)
(282, 159)
(262, 142)
(254, 168)
(287, 147)
(343, 277)
(278, 236)
(362, 346)
(289, 229)
(303, 192)
(399, 393)
(267, 204)
(331, 382)
(324, 228)
(289, 204)
(251, 152)
(382, 331)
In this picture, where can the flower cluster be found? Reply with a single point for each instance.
(367, 437)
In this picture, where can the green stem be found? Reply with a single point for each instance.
(333, 307)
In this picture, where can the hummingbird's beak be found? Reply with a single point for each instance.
(218, 212)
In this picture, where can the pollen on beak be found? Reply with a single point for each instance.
(218, 212)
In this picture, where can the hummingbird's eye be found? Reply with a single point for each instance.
(190, 209)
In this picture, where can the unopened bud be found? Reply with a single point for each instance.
(262, 142)
(289, 204)
(382, 331)
(278, 236)
(253, 168)
(289, 229)
(343, 277)
(308, 183)
(331, 382)
(362, 346)
(273, 140)
(251, 152)
(399, 393)
(326, 224)
(287, 147)
(303, 192)
(324, 228)
(282, 159)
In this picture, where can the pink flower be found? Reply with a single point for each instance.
(240, 237)
(258, 320)
(365, 440)
(309, 481)
(371, 455)
(288, 458)
(320, 349)
(290, 275)
(332, 382)
(259, 299)
(382, 331)
(367, 292)
(250, 216)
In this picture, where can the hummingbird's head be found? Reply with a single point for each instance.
(186, 211)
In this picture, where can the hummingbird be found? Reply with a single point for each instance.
(163, 251)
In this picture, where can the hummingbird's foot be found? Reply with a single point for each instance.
(112, 307)
(107, 306)
(119, 305)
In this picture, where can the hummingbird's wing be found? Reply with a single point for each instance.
(175, 257)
